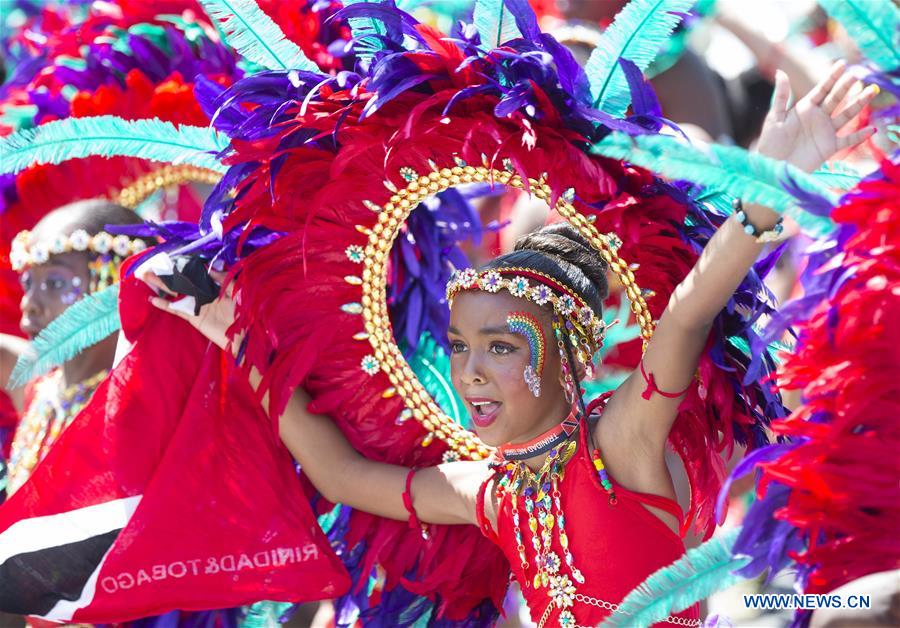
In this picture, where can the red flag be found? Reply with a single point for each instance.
(171, 490)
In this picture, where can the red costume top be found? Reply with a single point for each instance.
(613, 544)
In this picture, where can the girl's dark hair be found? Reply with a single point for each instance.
(562, 253)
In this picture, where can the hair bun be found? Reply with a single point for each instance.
(563, 241)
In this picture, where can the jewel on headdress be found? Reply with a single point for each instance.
(390, 186)
(468, 278)
(459, 162)
(518, 287)
(508, 165)
(569, 195)
(375, 207)
(355, 253)
(647, 293)
(585, 315)
(352, 308)
(613, 241)
(540, 294)
(404, 416)
(490, 282)
(370, 365)
(566, 305)
(432, 165)
(409, 175)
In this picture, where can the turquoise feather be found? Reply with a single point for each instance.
(111, 136)
(431, 365)
(363, 29)
(495, 23)
(701, 572)
(82, 325)
(837, 176)
(729, 169)
(256, 37)
(637, 34)
(264, 614)
(874, 25)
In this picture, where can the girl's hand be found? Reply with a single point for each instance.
(806, 135)
(214, 319)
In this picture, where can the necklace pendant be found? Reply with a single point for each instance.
(577, 575)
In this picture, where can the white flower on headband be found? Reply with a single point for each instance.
(102, 243)
(58, 245)
(80, 240)
(40, 254)
(121, 245)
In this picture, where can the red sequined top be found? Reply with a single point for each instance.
(615, 547)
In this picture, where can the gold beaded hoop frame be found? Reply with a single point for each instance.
(141, 188)
(386, 355)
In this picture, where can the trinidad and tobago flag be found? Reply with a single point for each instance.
(171, 490)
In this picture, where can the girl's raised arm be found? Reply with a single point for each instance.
(804, 135)
(441, 494)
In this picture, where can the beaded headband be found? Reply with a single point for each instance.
(517, 281)
(25, 252)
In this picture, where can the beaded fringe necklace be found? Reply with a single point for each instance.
(51, 411)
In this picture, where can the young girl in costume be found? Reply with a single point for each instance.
(67, 256)
(578, 496)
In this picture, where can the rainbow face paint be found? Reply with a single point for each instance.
(527, 325)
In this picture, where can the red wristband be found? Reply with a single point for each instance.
(408, 504)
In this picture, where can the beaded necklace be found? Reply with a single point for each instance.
(49, 413)
(541, 496)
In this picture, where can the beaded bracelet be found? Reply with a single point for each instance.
(408, 504)
(762, 237)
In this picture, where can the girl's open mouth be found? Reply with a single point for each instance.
(483, 411)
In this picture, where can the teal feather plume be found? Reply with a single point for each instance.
(263, 614)
(256, 36)
(637, 34)
(729, 169)
(874, 25)
(495, 23)
(111, 136)
(431, 365)
(82, 325)
(363, 29)
(837, 176)
(702, 571)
